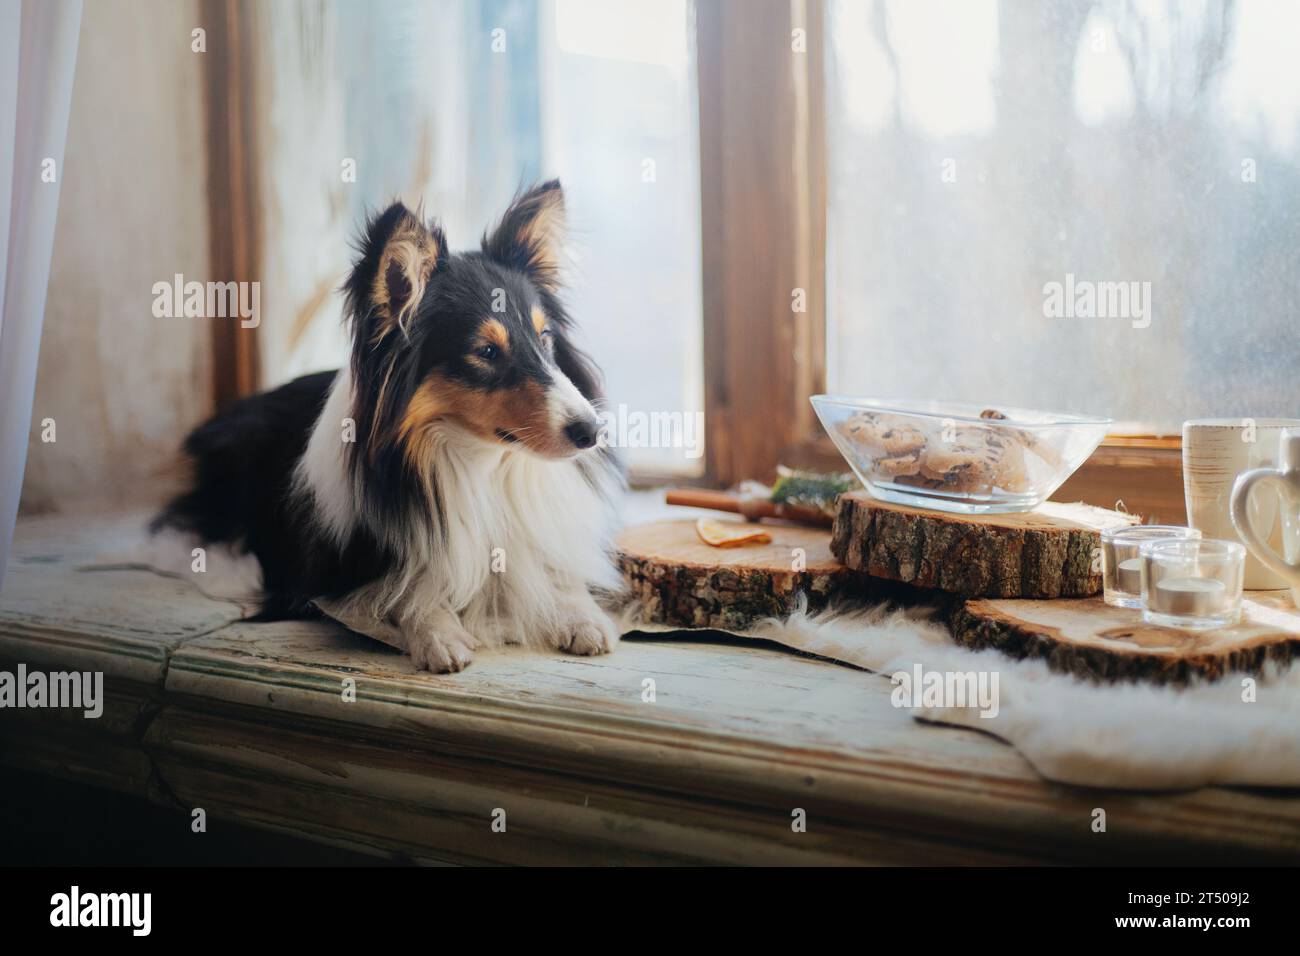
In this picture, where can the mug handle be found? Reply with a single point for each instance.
(1241, 490)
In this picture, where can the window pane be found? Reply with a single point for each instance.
(1080, 206)
(620, 127)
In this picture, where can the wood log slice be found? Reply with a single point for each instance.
(681, 581)
(1089, 638)
(1049, 552)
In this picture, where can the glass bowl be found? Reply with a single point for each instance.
(950, 456)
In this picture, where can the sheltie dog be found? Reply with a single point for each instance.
(447, 489)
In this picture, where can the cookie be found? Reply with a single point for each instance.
(960, 467)
(1006, 454)
(881, 435)
(860, 428)
(1027, 439)
(902, 440)
(898, 466)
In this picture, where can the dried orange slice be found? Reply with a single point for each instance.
(730, 534)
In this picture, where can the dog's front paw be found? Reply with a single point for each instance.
(594, 635)
(444, 653)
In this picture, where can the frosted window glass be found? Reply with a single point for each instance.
(991, 162)
(619, 108)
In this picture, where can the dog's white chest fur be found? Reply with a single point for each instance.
(510, 555)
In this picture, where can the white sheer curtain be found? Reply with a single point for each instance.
(38, 52)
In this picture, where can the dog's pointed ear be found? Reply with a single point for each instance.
(397, 256)
(530, 233)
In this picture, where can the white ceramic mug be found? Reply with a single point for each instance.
(1215, 452)
(1286, 479)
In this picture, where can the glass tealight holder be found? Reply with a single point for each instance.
(1192, 583)
(1121, 562)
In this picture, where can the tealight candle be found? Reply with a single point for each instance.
(1192, 583)
(1121, 563)
(1196, 596)
(1129, 576)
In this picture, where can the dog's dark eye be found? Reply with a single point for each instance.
(548, 337)
(487, 352)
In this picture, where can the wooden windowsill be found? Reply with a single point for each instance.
(248, 721)
(1165, 442)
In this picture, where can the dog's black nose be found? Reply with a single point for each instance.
(582, 433)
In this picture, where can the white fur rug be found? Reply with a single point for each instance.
(1135, 736)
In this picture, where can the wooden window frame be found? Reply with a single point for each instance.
(763, 198)
(762, 229)
(234, 212)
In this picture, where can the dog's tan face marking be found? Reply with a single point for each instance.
(494, 332)
(539, 319)
(490, 345)
(516, 414)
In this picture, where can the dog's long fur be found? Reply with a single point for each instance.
(443, 490)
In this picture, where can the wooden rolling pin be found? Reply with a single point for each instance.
(752, 507)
